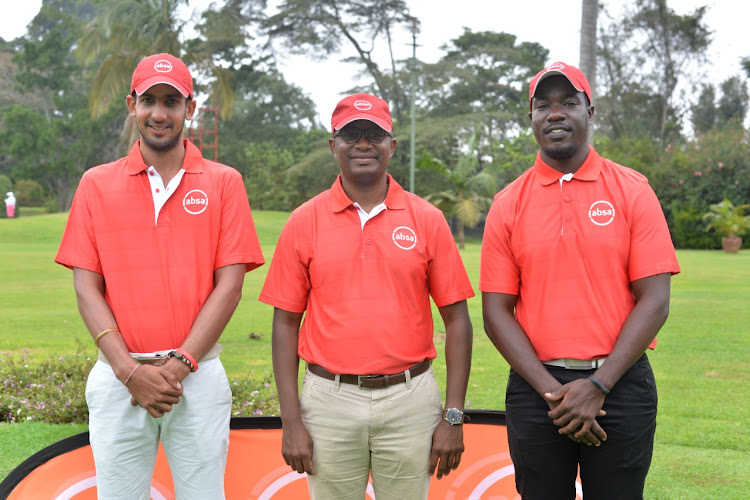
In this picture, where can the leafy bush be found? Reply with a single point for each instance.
(688, 229)
(53, 390)
(50, 391)
(5, 185)
(29, 193)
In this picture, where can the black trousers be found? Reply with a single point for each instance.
(546, 463)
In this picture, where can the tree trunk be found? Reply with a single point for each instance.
(589, 15)
(461, 236)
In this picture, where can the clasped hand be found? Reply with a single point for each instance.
(574, 408)
(156, 388)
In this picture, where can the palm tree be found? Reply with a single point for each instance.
(127, 31)
(466, 200)
(730, 222)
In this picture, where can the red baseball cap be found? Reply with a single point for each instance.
(162, 68)
(574, 75)
(362, 107)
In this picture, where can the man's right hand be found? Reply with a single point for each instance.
(297, 447)
(576, 418)
(150, 390)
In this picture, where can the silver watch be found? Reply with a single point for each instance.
(453, 416)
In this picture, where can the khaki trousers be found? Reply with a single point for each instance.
(355, 432)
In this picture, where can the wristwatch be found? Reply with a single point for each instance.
(453, 416)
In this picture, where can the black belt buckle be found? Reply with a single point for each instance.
(371, 379)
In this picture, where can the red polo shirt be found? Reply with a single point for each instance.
(158, 277)
(366, 290)
(570, 251)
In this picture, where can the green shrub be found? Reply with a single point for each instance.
(53, 390)
(688, 228)
(29, 193)
(49, 391)
(5, 185)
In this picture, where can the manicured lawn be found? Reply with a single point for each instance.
(702, 362)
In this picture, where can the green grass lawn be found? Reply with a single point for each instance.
(702, 362)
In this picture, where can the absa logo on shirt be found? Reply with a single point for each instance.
(195, 202)
(404, 237)
(601, 213)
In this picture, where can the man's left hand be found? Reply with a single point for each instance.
(447, 448)
(174, 372)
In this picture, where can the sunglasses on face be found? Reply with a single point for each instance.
(351, 134)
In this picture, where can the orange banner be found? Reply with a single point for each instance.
(256, 470)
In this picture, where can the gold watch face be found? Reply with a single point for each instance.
(454, 416)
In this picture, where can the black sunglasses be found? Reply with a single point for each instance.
(352, 134)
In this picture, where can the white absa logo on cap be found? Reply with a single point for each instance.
(362, 105)
(404, 237)
(601, 213)
(556, 67)
(195, 202)
(163, 66)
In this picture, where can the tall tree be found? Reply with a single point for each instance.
(733, 102)
(128, 30)
(704, 112)
(645, 58)
(57, 142)
(319, 28)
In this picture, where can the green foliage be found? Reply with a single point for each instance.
(688, 228)
(52, 390)
(471, 187)
(726, 219)
(254, 396)
(264, 182)
(5, 185)
(642, 79)
(29, 193)
(321, 27)
(49, 391)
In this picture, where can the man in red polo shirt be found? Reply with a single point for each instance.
(362, 260)
(159, 243)
(575, 277)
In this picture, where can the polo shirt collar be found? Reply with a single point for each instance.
(589, 171)
(395, 199)
(193, 162)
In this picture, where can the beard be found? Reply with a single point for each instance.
(163, 144)
(562, 152)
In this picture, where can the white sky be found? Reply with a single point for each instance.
(555, 24)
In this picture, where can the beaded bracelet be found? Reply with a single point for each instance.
(598, 384)
(183, 358)
(105, 332)
(189, 357)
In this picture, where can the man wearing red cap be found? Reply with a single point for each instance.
(159, 243)
(575, 277)
(361, 260)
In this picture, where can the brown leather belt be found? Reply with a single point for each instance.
(372, 381)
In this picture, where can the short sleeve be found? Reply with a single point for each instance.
(651, 248)
(78, 247)
(447, 276)
(287, 284)
(238, 240)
